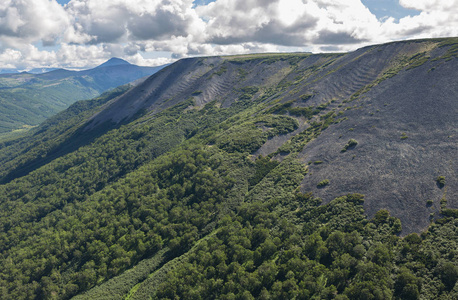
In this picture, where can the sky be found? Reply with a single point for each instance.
(85, 33)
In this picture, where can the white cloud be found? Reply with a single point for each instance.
(79, 55)
(9, 58)
(139, 60)
(430, 5)
(91, 31)
(100, 21)
(240, 21)
(288, 22)
(26, 21)
(437, 19)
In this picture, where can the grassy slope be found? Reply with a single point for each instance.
(32, 104)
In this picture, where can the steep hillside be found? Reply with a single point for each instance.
(398, 101)
(259, 176)
(28, 99)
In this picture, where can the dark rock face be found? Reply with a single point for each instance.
(406, 128)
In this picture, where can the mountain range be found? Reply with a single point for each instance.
(27, 99)
(261, 176)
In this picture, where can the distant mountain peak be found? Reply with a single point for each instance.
(114, 61)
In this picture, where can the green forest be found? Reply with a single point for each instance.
(175, 205)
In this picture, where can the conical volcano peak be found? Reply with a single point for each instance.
(114, 61)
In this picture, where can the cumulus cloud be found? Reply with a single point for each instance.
(26, 21)
(429, 5)
(9, 58)
(111, 21)
(88, 32)
(436, 19)
(239, 21)
(139, 60)
(288, 22)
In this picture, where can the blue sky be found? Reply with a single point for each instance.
(84, 33)
(388, 8)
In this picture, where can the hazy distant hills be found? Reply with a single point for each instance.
(32, 71)
(264, 176)
(27, 99)
(8, 71)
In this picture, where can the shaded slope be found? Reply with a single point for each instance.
(57, 136)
